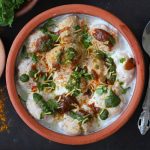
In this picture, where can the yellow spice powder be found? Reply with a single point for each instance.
(3, 120)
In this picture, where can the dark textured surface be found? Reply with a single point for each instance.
(135, 13)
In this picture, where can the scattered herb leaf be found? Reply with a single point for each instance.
(32, 73)
(34, 58)
(123, 90)
(41, 102)
(85, 37)
(122, 60)
(24, 78)
(24, 53)
(103, 114)
(112, 100)
(53, 105)
(77, 27)
(101, 90)
(80, 118)
(73, 85)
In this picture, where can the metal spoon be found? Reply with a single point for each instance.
(144, 119)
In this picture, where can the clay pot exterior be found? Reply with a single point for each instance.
(26, 7)
(126, 114)
(2, 58)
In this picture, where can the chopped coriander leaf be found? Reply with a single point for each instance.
(76, 116)
(70, 55)
(104, 114)
(112, 100)
(59, 57)
(73, 85)
(53, 36)
(40, 86)
(34, 58)
(111, 75)
(123, 90)
(24, 53)
(112, 40)
(44, 77)
(85, 74)
(48, 107)
(80, 118)
(32, 73)
(120, 82)
(100, 54)
(77, 27)
(49, 23)
(101, 90)
(111, 70)
(53, 105)
(84, 29)
(41, 102)
(46, 45)
(86, 40)
(24, 78)
(51, 85)
(122, 60)
(85, 37)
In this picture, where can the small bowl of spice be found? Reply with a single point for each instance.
(2, 57)
(3, 117)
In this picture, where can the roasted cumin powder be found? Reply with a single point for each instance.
(3, 120)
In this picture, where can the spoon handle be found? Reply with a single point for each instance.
(144, 119)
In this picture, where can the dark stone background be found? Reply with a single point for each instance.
(135, 13)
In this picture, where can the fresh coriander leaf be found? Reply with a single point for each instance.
(59, 57)
(73, 84)
(77, 27)
(101, 90)
(112, 40)
(24, 53)
(53, 105)
(46, 45)
(80, 118)
(122, 60)
(24, 78)
(86, 40)
(85, 37)
(49, 23)
(53, 36)
(111, 77)
(32, 72)
(112, 100)
(104, 114)
(100, 54)
(41, 102)
(124, 90)
(69, 55)
(34, 58)
(40, 86)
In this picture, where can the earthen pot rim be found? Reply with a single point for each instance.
(126, 114)
(26, 8)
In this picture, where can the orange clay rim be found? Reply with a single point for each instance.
(29, 120)
(26, 8)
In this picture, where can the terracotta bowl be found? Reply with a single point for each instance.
(26, 7)
(29, 120)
